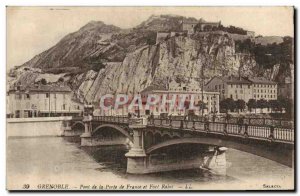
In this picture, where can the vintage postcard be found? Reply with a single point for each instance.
(150, 98)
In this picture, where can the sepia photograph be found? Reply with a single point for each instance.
(150, 98)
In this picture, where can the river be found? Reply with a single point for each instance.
(47, 160)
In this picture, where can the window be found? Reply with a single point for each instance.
(27, 96)
(47, 95)
(241, 86)
(216, 87)
(231, 85)
(231, 96)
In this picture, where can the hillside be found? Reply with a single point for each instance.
(100, 58)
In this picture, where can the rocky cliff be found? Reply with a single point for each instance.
(100, 59)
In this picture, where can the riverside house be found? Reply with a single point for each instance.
(41, 100)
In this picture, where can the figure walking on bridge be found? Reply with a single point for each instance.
(227, 117)
(151, 118)
(241, 123)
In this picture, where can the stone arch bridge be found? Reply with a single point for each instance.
(163, 145)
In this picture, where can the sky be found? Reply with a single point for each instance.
(32, 30)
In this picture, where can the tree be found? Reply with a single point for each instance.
(262, 104)
(227, 104)
(240, 105)
(274, 105)
(252, 104)
(201, 105)
(43, 81)
(61, 79)
(287, 104)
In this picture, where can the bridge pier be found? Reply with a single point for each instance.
(66, 128)
(215, 160)
(86, 137)
(136, 157)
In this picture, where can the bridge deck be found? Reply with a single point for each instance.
(274, 133)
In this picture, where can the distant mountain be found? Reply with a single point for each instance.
(78, 49)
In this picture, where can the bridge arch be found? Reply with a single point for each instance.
(78, 123)
(115, 127)
(278, 153)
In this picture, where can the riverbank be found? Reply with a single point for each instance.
(32, 127)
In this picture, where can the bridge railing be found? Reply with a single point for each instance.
(250, 121)
(114, 119)
(259, 121)
(260, 131)
(267, 132)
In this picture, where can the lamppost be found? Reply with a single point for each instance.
(122, 92)
(139, 107)
(49, 104)
(214, 112)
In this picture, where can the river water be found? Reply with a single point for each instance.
(57, 160)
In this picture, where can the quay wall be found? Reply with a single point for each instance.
(32, 127)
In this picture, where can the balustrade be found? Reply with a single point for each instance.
(267, 129)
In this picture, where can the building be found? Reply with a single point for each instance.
(211, 99)
(263, 88)
(231, 87)
(189, 26)
(243, 88)
(251, 34)
(162, 36)
(41, 100)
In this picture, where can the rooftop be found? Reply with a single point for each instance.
(42, 88)
(234, 80)
(260, 80)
